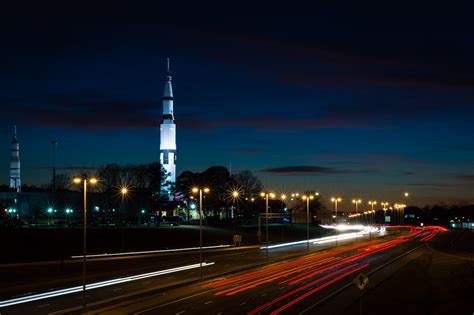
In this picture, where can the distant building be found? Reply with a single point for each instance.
(15, 178)
(168, 132)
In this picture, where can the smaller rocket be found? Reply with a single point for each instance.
(15, 179)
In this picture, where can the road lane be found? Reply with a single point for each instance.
(233, 258)
(246, 292)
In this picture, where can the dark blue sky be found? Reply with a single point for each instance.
(354, 101)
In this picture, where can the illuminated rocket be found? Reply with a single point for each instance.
(15, 180)
(168, 130)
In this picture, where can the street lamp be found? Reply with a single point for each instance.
(272, 195)
(372, 204)
(406, 194)
(200, 190)
(123, 192)
(336, 200)
(307, 198)
(356, 202)
(235, 195)
(93, 181)
(384, 205)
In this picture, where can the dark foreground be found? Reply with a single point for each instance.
(405, 276)
(414, 272)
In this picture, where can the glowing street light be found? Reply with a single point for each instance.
(372, 204)
(307, 199)
(336, 200)
(200, 190)
(357, 202)
(406, 194)
(266, 195)
(78, 180)
(124, 191)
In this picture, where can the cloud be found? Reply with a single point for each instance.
(376, 158)
(312, 170)
(134, 115)
(429, 184)
(463, 177)
(247, 151)
(308, 62)
(68, 168)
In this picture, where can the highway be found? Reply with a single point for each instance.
(132, 274)
(145, 291)
(290, 287)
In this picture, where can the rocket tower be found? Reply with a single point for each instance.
(168, 130)
(15, 180)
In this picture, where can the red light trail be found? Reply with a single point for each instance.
(320, 269)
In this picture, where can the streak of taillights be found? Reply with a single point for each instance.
(288, 294)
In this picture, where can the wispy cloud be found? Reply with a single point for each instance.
(312, 170)
(68, 168)
(247, 151)
(376, 158)
(463, 177)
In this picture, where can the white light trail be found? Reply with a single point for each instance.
(329, 239)
(344, 227)
(151, 251)
(96, 285)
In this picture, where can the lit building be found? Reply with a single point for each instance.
(168, 131)
(15, 179)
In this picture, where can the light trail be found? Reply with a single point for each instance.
(288, 294)
(55, 293)
(328, 239)
(301, 297)
(344, 227)
(151, 251)
(269, 270)
(281, 274)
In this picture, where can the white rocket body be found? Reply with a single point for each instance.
(15, 178)
(168, 132)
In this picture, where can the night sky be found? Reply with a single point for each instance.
(350, 100)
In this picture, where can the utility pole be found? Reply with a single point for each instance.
(55, 144)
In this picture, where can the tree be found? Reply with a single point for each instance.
(63, 182)
(110, 176)
(248, 182)
(315, 208)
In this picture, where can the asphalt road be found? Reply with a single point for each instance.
(289, 287)
(225, 261)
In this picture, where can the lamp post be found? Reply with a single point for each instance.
(124, 192)
(384, 205)
(200, 190)
(266, 194)
(307, 198)
(336, 200)
(406, 194)
(396, 214)
(283, 198)
(92, 181)
(356, 202)
(55, 144)
(235, 195)
(372, 204)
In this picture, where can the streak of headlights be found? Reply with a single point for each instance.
(328, 239)
(50, 294)
(150, 251)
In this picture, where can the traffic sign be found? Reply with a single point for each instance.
(361, 281)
